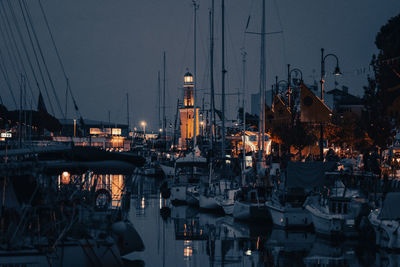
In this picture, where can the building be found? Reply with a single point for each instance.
(73, 128)
(342, 102)
(187, 113)
(108, 136)
(255, 101)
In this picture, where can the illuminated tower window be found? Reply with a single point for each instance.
(188, 89)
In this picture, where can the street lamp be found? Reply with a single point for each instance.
(277, 84)
(322, 81)
(297, 71)
(143, 123)
(336, 71)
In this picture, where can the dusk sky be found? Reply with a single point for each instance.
(110, 48)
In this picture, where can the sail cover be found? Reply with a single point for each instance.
(307, 174)
(390, 209)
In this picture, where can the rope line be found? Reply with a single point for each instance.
(41, 55)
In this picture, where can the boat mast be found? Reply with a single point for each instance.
(159, 102)
(244, 115)
(175, 123)
(212, 101)
(195, 7)
(20, 112)
(66, 101)
(164, 119)
(223, 79)
(261, 129)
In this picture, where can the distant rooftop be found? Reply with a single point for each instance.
(93, 123)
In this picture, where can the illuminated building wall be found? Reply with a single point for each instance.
(187, 120)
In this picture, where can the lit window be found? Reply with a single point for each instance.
(188, 79)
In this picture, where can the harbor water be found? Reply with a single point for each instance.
(186, 236)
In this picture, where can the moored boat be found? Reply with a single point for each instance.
(289, 196)
(251, 205)
(227, 200)
(210, 193)
(386, 222)
(337, 214)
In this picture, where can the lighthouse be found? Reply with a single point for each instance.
(187, 113)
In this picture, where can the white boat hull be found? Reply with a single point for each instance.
(289, 217)
(332, 224)
(228, 209)
(227, 202)
(387, 231)
(206, 202)
(246, 210)
(241, 210)
(192, 199)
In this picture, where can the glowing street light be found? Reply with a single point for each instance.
(143, 123)
(336, 71)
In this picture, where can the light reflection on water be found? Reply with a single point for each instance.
(113, 183)
(188, 237)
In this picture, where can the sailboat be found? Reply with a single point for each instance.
(189, 171)
(211, 193)
(228, 199)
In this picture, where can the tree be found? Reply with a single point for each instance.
(374, 119)
(299, 135)
(383, 92)
(387, 63)
(346, 130)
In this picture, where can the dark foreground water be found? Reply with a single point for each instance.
(184, 236)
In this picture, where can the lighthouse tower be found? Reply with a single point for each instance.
(187, 113)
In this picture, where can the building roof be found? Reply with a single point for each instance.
(345, 98)
(337, 92)
(93, 123)
(350, 100)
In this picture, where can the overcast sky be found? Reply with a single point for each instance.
(110, 48)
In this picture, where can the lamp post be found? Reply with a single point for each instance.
(202, 127)
(297, 71)
(143, 123)
(322, 81)
(278, 83)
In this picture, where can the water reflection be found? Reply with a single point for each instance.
(111, 184)
(185, 236)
